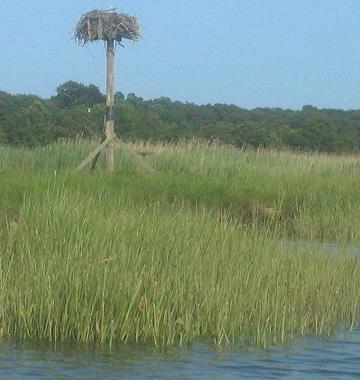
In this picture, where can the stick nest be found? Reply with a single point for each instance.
(106, 25)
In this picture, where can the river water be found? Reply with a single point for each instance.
(305, 358)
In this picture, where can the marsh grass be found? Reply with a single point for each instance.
(306, 196)
(195, 251)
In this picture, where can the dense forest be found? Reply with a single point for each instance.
(77, 111)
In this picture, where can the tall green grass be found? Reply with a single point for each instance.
(306, 196)
(199, 250)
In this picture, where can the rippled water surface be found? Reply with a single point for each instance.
(305, 359)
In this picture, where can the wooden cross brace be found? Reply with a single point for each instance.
(113, 143)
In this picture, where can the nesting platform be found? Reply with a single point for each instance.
(106, 25)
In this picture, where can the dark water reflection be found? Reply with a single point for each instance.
(309, 358)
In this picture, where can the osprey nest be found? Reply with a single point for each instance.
(106, 25)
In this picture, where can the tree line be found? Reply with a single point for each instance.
(77, 110)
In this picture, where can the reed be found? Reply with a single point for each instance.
(189, 253)
(303, 196)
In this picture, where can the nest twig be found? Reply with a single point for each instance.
(106, 25)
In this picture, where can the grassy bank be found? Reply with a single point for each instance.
(198, 250)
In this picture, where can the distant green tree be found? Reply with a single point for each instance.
(119, 97)
(31, 125)
(133, 99)
(72, 93)
(3, 139)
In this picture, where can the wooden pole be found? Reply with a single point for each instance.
(109, 123)
(111, 142)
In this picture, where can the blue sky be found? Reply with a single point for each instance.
(274, 53)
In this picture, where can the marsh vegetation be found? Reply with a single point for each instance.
(195, 251)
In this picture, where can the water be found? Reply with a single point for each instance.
(309, 358)
(322, 247)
